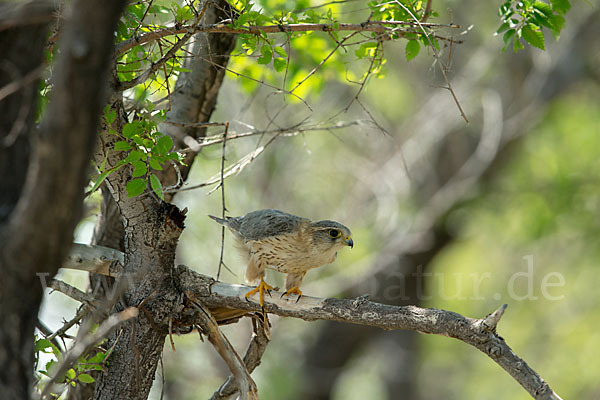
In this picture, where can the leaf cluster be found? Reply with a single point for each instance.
(79, 373)
(525, 19)
(147, 150)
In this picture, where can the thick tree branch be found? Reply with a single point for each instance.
(50, 163)
(479, 333)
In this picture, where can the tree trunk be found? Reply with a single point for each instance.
(138, 345)
(43, 190)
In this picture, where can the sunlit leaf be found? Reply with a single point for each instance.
(85, 378)
(533, 36)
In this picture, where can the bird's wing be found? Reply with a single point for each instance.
(265, 223)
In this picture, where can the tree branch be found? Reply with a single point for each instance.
(475, 332)
(210, 328)
(479, 333)
(170, 54)
(369, 26)
(256, 349)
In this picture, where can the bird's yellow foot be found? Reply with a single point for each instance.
(293, 290)
(261, 288)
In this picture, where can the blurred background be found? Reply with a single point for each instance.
(444, 214)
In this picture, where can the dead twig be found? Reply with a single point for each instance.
(210, 328)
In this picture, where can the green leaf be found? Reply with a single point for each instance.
(266, 54)
(85, 378)
(365, 49)
(242, 19)
(100, 179)
(122, 145)
(184, 13)
(507, 37)
(502, 28)
(163, 145)
(412, 49)
(517, 45)
(175, 156)
(560, 6)
(280, 51)
(279, 64)
(557, 22)
(70, 373)
(181, 69)
(156, 186)
(134, 156)
(133, 129)
(135, 187)
(97, 358)
(49, 365)
(139, 169)
(533, 36)
(109, 115)
(155, 164)
(42, 344)
(543, 8)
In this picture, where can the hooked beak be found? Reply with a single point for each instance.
(348, 242)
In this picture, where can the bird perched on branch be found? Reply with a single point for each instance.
(286, 243)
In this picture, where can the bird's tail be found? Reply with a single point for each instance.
(219, 220)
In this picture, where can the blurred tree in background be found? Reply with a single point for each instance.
(360, 126)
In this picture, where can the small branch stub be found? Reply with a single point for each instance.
(491, 320)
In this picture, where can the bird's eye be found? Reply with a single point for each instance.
(334, 233)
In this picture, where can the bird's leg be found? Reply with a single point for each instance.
(261, 288)
(293, 290)
(292, 284)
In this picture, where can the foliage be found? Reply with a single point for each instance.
(525, 19)
(147, 150)
(79, 373)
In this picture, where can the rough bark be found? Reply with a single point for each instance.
(152, 228)
(41, 215)
(192, 101)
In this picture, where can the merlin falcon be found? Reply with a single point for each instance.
(286, 243)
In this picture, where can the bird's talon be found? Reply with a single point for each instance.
(293, 290)
(260, 289)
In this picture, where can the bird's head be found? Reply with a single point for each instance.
(329, 235)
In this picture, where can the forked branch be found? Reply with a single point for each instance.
(479, 333)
